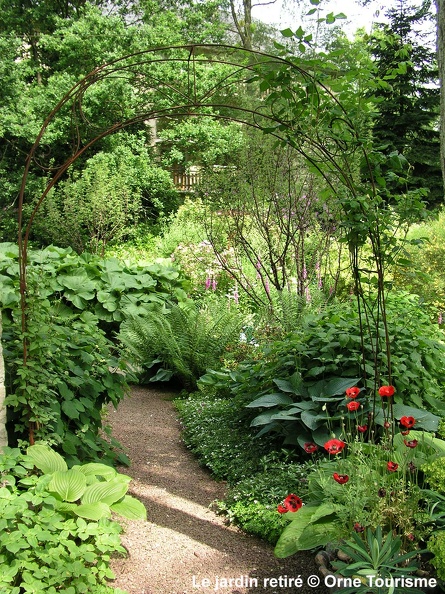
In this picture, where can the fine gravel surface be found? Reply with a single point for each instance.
(184, 547)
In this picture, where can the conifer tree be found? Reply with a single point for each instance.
(408, 109)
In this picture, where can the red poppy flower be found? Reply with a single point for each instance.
(352, 392)
(358, 527)
(362, 428)
(353, 405)
(334, 446)
(411, 444)
(386, 391)
(392, 466)
(310, 447)
(408, 422)
(292, 503)
(340, 478)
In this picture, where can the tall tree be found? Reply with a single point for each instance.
(440, 40)
(3, 434)
(408, 98)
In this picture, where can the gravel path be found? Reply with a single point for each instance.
(184, 547)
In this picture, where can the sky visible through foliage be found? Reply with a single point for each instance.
(290, 13)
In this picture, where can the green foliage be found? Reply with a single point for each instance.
(299, 382)
(206, 142)
(360, 491)
(426, 255)
(70, 374)
(106, 288)
(255, 518)
(113, 193)
(314, 527)
(407, 107)
(251, 503)
(45, 544)
(434, 472)
(185, 339)
(71, 370)
(436, 546)
(377, 556)
(221, 440)
(92, 490)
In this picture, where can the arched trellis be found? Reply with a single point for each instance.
(286, 101)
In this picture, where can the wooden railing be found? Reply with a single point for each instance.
(184, 181)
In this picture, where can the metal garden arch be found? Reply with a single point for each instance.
(285, 101)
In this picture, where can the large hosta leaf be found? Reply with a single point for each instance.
(46, 459)
(424, 419)
(269, 400)
(93, 511)
(311, 527)
(69, 485)
(106, 492)
(130, 508)
(97, 469)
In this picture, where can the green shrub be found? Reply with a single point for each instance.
(251, 503)
(255, 518)
(221, 440)
(107, 288)
(70, 374)
(424, 276)
(114, 192)
(436, 546)
(434, 473)
(185, 340)
(298, 383)
(45, 543)
(74, 304)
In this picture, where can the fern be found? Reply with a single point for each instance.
(186, 340)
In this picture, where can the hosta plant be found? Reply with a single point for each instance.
(90, 491)
(56, 534)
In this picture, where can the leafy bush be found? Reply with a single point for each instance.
(185, 340)
(70, 374)
(436, 546)
(299, 382)
(251, 503)
(45, 543)
(107, 288)
(114, 192)
(221, 440)
(424, 275)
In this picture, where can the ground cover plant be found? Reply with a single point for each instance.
(56, 526)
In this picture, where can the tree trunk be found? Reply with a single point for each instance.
(440, 6)
(3, 434)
